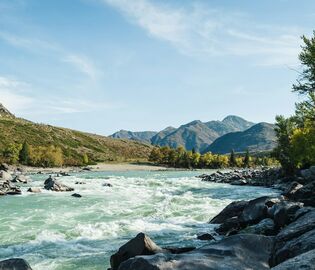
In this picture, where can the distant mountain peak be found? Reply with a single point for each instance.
(233, 118)
(4, 112)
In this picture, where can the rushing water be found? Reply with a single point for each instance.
(56, 231)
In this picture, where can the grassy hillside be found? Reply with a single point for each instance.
(73, 143)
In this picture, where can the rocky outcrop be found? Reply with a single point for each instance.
(305, 261)
(140, 245)
(14, 264)
(236, 252)
(53, 185)
(6, 188)
(5, 176)
(255, 177)
(20, 179)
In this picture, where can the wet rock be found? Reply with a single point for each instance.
(292, 189)
(205, 237)
(179, 250)
(140, 245)
(298, 235)
(234, 209)
(241, 182)
(34, 190)
(6, 188)
(20, 179)
(239, 252)
(14, 264)
(295, 247)
(80, 183)
(307, 173)
(305, 261)
(76, 195)
(255, 211)
(107, 185)
(264, 227)
(229, 227)
(312, 169)
(52, 184)
(306, 194)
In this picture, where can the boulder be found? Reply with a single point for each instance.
(292, 237)
(205, 237)
(14, 264)
(52, 184)
(306, 194)
(294, 247)
(305, 261)
(6, 188)
(4, 167)
(234, 209)
(140, 245)
(239, 252)
(179, 250)
(291, 189)
(230, 226)
(240, 182)
(283, 213)
(20, 179)
(255, 210)
(264, 227)
(76, 195)
(107, 185)
(80, 183)
(307, 174)
(5, 176)
(312, 169)
(34, 190)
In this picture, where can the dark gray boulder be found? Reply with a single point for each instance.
(234, 209)
(14, 264)
(7, 188)
(294, 247)
(76, 195)
(241, 252)
(291, 189)
(205, 237)
(305, 261)
(52, 184)
(140, 245)
(229, 227)
(264, 227)
(306, 194)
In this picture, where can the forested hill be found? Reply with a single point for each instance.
(73, 144)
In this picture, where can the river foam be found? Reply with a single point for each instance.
(55, 231)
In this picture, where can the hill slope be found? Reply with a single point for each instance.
(141, 136)
(260, 137)
(73, 143)
(198, 135)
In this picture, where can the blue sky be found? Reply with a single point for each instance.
(105, 65)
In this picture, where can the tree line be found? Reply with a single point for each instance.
(40, 156)
(180, 158)
(296, 134)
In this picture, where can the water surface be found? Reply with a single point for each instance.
(54, 231)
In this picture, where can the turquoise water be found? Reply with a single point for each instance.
(56, 231)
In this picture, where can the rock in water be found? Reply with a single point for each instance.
(76, 195)
(6, 188)
(52, 184)
(5, 176)
(234, 209)
(34, 190)
(20, 179)
(14, 264)
(239, 252)
(140, 245)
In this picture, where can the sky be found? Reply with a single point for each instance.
(105, 65)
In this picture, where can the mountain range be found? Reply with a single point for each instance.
(233, 132)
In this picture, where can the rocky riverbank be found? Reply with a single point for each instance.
(265, 233)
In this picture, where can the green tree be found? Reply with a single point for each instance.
(283, 152)
(232, 159)
(305, 84)
(11, 152)
(24, 156)
(85, 159)
(246, 161)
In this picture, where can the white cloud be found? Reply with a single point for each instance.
(83, 64)
(198, 30)
(37, 46)
(15, 95)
